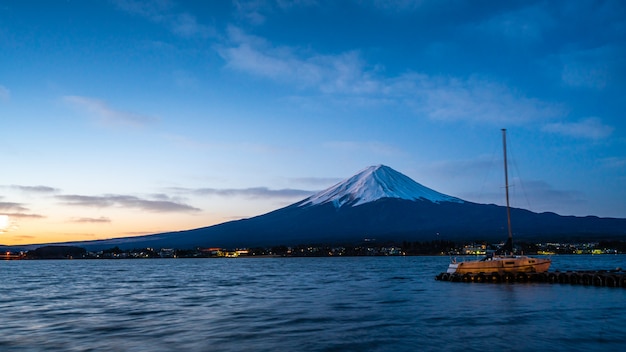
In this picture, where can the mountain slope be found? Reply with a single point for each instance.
(383, 204)
(373, 183)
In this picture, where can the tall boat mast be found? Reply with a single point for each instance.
(506, 187)
(503, 263)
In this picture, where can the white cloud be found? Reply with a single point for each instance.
(162, 12)
(33, 189)
(251, 11)
(347, 75)
(398, 6)
(17, 210)
(255, 12)
(542, 196)
(5, 93)
(593, 68)
(472, 99)
(126, 201)
(10, 206)
(101, 219)
(585, 75)
(250, 193)
(150, 9)
(343, 73)
(519, 26)
(590, 128)
(186, 25)
(105, 113)
(255, 192)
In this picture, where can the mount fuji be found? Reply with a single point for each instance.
(377, 203)
(372, 184)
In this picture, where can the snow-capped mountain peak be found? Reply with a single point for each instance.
(373, 183)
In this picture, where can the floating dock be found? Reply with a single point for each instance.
(604, 278)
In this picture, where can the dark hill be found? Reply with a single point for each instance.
(383, 204)
(384, 219)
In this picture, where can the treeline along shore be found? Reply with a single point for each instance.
(365, 248)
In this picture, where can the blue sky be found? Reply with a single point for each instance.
(129, 117)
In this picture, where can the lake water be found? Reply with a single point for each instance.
(299, 304)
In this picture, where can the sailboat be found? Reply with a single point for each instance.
(503, 261)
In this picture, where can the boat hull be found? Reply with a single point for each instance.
(514, 264)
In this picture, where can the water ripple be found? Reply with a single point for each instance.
(301, 304)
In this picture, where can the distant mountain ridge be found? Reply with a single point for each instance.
(377, 203)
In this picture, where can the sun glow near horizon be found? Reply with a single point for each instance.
(63, 223)
(4, 223)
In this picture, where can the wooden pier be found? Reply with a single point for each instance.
(602, 278)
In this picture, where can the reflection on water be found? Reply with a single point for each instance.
(303, 304)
